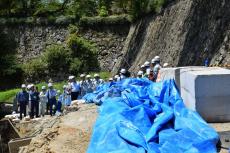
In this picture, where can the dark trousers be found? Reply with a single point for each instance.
(34, 107)
(52, 102)
(22, 108)
(59, 106)
(47, 108)
(74, 95)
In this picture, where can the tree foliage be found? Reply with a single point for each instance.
(78, 8)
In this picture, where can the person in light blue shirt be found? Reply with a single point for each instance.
(51, 94)
(89, 84)
(66, 96)
(97, 81)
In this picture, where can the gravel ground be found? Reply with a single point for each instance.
(221, 127)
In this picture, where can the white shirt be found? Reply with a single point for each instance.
(75, 87)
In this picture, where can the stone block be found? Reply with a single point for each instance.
(205, 90)
(15, 144)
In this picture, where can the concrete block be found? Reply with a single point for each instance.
(206, 90)
(15, 144)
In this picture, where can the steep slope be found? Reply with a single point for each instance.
(184, 33)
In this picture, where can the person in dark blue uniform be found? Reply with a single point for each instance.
(22, 100)
(34, 98)
(51, 94)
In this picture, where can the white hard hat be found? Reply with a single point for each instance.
(140, 73)
(146, 63)
(28, 86)
(157, 58)
(110, 79)
(64, 86)
(43, 87)
(50, 85)
(123, 71)
(23, 86)
(82, 75)
(88, 76)
(116, 76)
(31, 85)
(165, 64)
(71, 77)
(96, 75)
(142, 66)
(153, 61)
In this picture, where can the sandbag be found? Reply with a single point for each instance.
(139, 116)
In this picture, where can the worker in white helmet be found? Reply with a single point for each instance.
(34, 100)
(140, 74)
(22, 98)
(110, 79)
(83, 85)
(66, 95)
(75, 88)
(123, 74)
(43, 101)
(116, 78)
(89, 84)
(147, 68)
(157, 66)
(142, 68)
(51, 94)
(153, 63)
(97, 81)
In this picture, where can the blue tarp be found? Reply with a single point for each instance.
(139, 116)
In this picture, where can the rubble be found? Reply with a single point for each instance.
(68, 133)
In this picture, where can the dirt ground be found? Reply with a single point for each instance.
(221, 127)
(70, 135)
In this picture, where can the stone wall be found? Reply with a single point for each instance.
(110, 44)
(185, 33)
(32, 40)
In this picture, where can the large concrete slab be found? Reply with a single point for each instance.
(206, 90)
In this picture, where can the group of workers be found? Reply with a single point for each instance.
(50, 101)
(148, 70)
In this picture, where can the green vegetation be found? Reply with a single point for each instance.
(110, 20)
(7, 96)
(77, 57)
(75, 9)
(9, 68)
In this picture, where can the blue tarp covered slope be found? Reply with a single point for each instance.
(138, 116)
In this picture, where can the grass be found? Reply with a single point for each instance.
(8, 96)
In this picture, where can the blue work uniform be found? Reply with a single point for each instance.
(34, 98)
(22, 98)
(51, 95)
